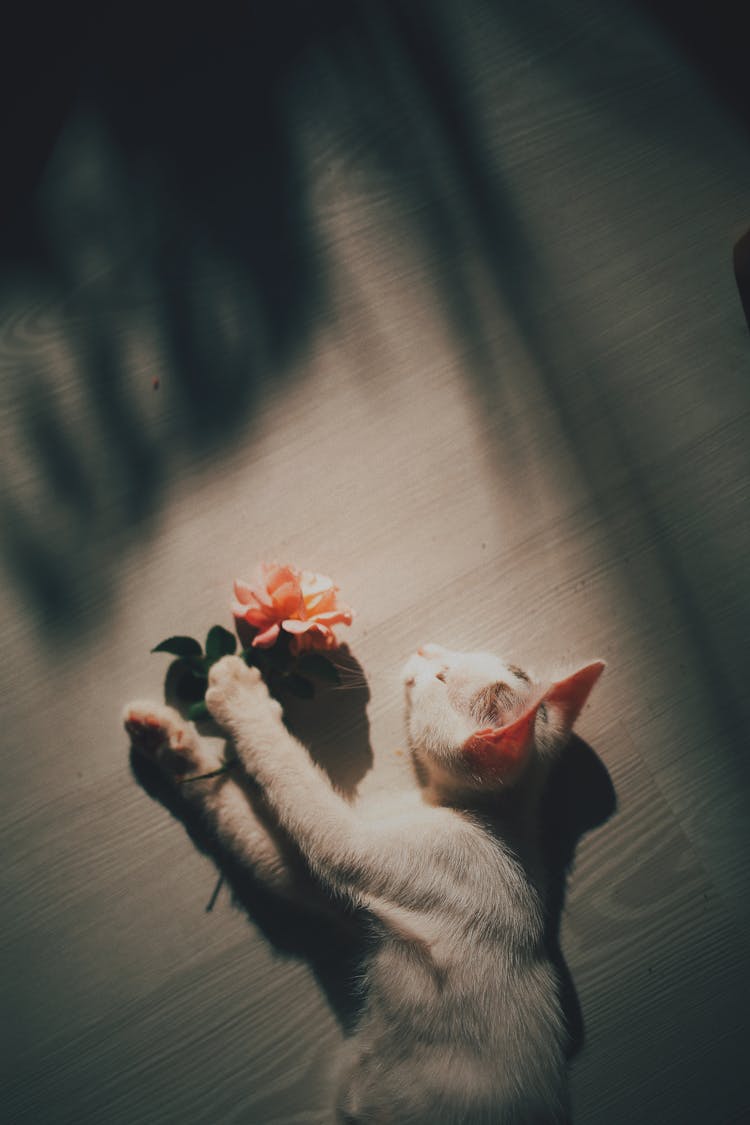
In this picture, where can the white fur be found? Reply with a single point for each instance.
(462, 1022)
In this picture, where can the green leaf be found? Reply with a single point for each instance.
(219, 642)
(196, 665)
(198, 710)
(299, 686)
(184, 682)
(319, 666)
(179, 646)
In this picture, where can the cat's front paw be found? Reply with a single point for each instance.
(159, 734)
(237, 693)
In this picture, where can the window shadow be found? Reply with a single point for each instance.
(176, 216)
(159, 271)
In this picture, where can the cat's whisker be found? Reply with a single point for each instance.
(350, 679)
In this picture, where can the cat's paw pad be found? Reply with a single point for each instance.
(233, 687)
(159, 734)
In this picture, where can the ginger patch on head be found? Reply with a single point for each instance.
(493, 702)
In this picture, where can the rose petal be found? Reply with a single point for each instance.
(257, 594)
(255, 608)
(288, 601)
(295, 625)
(321, 602)
(312, 583)
(340, 616)
(242, 592)
(278, 576)
(259, 616)
(316, 638)
(266, 638)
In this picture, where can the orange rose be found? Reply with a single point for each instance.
(301, 603)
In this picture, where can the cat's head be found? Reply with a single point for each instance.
(474, 719)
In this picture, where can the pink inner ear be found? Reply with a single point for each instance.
(502, 751)
(571, 694)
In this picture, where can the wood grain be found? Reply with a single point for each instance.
(468, 339)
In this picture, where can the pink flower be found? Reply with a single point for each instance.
(303, 604)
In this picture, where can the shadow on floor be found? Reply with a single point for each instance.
(579, 797)
(333, 940)
(172, 247)
(612, 443)
(159, 268)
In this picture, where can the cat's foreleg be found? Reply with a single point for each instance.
(159, 734)
(197, 769)
(331, 836)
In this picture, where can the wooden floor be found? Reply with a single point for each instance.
(442, 307)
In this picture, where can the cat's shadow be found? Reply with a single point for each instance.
(335, 728)
(578, 797)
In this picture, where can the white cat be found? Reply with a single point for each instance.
(462, 1022)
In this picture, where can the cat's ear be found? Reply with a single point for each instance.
(568, 696)
(502, 752)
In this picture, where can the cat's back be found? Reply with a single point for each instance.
(463, 1021)
(400, 1076)
(443, 1054)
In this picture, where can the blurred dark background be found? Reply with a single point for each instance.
(184, 185)
(128, 56)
